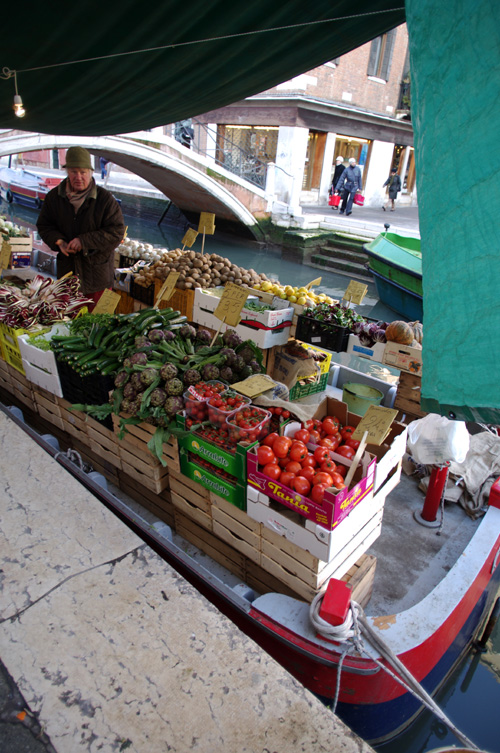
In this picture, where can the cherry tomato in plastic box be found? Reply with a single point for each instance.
(318, 492)
(321, 454)
(281, 446)
(302, 435)
(286, 479)
(265, 455)
(272, 470)
(323, 478)
(345, 451)
(301, 485)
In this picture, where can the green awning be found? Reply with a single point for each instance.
(200, 56)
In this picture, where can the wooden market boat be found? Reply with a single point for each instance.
(430, 599)
(24, 188)
(395, 262)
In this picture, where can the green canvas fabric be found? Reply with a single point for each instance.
(133, 92)
(455, 65)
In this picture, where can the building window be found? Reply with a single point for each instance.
(381, 50)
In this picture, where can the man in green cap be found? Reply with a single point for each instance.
(83, 222)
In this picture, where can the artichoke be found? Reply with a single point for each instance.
(173, 405)
(156, 335)
(121, 378)
(158, 396)
(174, 386)
(239, 363)
(139, 359)
(168, 371)
(231, 338)
(191, 376)
(210, 371)
(141, 341)
(247, 353)
(229, 355)
(136, 382)
(129, 392)
(226, 373)
(255, 366)
(149, 375)
(187, 330)
(204, 336)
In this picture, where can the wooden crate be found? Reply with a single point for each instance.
(125, 304)
(136, 440)
(218, 550)
(74, 422)
(47, 407)
(104, 443)
(159, 504)
(360, 578)
(181, 300)
(263, 582)
(193, 503)
(236, 528)
(408, 395)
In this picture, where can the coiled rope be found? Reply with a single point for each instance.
(350, 635)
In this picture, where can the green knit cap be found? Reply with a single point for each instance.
(77, 156)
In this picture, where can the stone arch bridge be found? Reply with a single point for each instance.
(191, 181)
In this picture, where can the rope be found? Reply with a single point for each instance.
(74, 457)
(351, 634)
(7, 73)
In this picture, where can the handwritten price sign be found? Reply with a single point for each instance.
(166, 290)
(232, 301)
(377, 423)
(107, 303)
(355, 292)
(190, 237)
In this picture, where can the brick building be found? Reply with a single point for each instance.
(354, 106)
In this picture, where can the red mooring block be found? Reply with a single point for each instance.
(494, 498)
(336, 602)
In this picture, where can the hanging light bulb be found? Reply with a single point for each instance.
(18, 106)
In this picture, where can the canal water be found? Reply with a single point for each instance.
(471, 697)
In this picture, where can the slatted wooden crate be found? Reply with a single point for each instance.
(408, 395)
(159, 504)
(103, 442)
(21, 388)
(236, 528)
(74, 422)
(360, 578)
(191, 499)
(207, 542)
(47, 407)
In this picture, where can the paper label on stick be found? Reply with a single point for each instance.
(355, 292)
(254, 385)
(107, 303)
(207, 223)
(5, 254)
(190, 237)
(166, 290)
(232, 301)
(377, 422)
(315, 282)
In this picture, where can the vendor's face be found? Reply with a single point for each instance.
(79, 178)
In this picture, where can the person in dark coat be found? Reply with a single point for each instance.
(348, 184)
(394, 183)
(83, 222)
(339, 169)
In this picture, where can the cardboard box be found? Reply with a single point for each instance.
(403, 357)
(374, 352)
(228, 489)
(263, 335)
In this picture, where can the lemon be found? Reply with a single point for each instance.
(303, 291)
(301, 300)
(266, 286)
(289, 290)
(292, 298)
(257, 286)
(283, 295)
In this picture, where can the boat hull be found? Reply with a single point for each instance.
(26, 189)
(400, 299)
(396, 265)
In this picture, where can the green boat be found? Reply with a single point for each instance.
(395, 262)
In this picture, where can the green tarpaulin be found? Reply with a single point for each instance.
(201, 55)
(455, 69)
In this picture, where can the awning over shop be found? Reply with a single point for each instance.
(187, 58)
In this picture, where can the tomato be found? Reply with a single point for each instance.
(293, 467)
(341, 470)
(301, 485)
(265, 455)
(327, 441)
(269, 440)
(285, 414)
(346, 432)
(345, 451)
(302, 435)
(323, 478)
(286, 479)
(328, 466)
(309, 462)
(309, 424)
(307, 473)
(330, 425)
(272, 470)
(321, 454)
(314, 436)
(318, 492)
(283, 462)
(352, 443)
(298, 451)
(338, 481)
(281, 445)
(335, 441)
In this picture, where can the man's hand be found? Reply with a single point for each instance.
(75, 245)
(63, 247)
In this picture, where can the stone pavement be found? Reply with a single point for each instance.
(112, 650)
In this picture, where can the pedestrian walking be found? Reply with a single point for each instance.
(348, 184)
(339, 169)
(394, 183)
